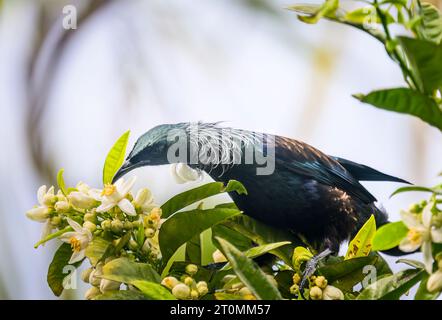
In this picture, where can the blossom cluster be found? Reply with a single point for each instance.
(78, 215)
(188, 288)
(424, 223)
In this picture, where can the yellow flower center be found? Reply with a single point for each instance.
(108, 190)
(75, 244)
(414, 236)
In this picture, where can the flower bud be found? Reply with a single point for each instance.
(332, 293)
(155, 214)
(62, 206)
(170, 282)
(294, 289)
(194, 294)
(109, 285)
(106, 225)
(228, 278)
(415, 208)
(296, 278)
(434, 282)
(92, 293)
(90, 226)
(149, 232)
(90, 217)
(191, 269)
(245, 291)
(116, 226)
(202, 288)
(81, 200)
(188, 281)
(133, 245)
(315, 293)
(218, 256)
(56, 220)
(321, 282)
(49, 197)
(40, 214)
(181, 291)
(143, 197)
(94, 277)
(127, 225)
(85, 275)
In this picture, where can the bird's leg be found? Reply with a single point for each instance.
(310, 268)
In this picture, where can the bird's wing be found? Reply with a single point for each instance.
(305, 160)
(365, 173)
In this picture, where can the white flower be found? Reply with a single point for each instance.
(182, 173)
(332, 293)
(78, 239)
(85, 197)
(434, 282)
(109, 285)
(218, 256)
(41, 213)
(115, 195)
(144, 200)
(421, 234)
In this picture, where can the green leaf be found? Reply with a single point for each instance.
(313, 13)
(412, 263)
(262, 234)
(249, 273)
(236, 238)
(183, 226)
(127, 271)
(193, 250)
(227, 296)
(121, 295)
(389, 236)
(435, 189)
(362, 243)
(346, 274)
(430, 26)
(52, 236)
(365, 15)
(404, 100)
(422, 293)
(258, 251)
(189, 197)
(392, 287)
(153, 291)
(97, 250)
(424, 56)
(57, 271)
(61, 183)
(115, 158)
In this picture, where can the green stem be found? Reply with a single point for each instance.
(52, 236)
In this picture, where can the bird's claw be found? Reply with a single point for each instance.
(310, 269)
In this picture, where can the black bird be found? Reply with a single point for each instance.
(309, 192)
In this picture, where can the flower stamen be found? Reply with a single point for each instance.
(414, 236)
(75, 244)
(108, 190)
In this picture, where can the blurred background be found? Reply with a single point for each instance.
(67, 95)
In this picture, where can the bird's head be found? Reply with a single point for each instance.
(151, 148)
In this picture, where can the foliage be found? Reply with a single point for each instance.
(418, 56)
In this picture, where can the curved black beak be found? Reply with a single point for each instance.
(125, 168)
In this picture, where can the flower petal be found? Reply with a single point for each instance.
(428, 257)
(105, 206)
(411, 220)
(434, 283)
(127, 207)
(39, 214)
(175, 175)
(41, 193)
(126, 186)
(77, 256)
(95, 194)
(408, 246)
(427, 215)
(66, 237)
(436, 235)
(47, 229)
(75, 225)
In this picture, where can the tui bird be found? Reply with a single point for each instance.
(306, 192)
